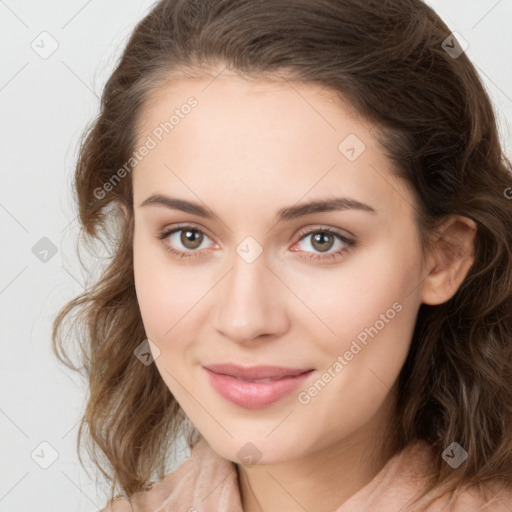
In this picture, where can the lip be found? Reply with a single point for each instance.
(237, 383)
(255, 372)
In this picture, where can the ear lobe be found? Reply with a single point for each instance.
(450, 260)
(122, 209)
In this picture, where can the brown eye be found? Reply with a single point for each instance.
(185, 241)
(322, 241)
(323, 245)
(191, 238)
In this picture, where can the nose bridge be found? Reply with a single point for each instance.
(248, 305)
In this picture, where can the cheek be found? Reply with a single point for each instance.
(154, 288)
(162, 312)
(161, 303)
(169, 296)
(369, 299)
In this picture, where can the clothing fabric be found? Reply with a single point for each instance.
(206, 482)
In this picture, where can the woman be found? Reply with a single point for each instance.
(312, 276)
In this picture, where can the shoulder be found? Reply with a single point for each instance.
(117, 505)
(203, 473)
(494, 495)
(157, 494)
(404, 478)
(151, 499)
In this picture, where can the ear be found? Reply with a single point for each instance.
(122, 209)
(450, 259)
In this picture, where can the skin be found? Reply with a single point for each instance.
(250, 148)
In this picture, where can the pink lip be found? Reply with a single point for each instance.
(236, 383)
(255, 372)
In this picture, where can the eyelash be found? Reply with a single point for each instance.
(349, 244)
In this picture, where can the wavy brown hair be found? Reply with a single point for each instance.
(438, 127)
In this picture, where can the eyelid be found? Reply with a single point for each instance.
(303, 231)
(321, 227)
(349, 241)
(176, 227)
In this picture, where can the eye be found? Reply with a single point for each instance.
(187, 236)
(323, 240)
(192, 239)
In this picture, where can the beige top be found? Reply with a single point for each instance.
(206, 482)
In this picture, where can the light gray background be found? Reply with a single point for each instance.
(45, 105)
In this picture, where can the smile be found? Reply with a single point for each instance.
(254, 393)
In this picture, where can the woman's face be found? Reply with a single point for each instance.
(260, 281)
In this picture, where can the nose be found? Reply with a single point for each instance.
(250, 302)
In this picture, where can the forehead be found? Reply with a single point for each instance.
(251, 109)
(261, 139)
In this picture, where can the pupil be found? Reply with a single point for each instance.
(191, 239)
(322, 239)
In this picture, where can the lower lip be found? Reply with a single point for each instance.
(253, 395)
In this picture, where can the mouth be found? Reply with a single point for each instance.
(257, 386)
(256, 373)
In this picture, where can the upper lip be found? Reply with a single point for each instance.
(255, 372)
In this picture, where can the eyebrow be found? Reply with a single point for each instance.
(284, 214)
